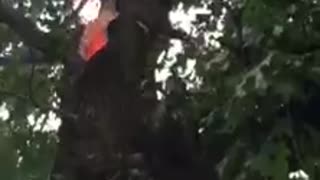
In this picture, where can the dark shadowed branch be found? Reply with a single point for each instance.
(24, 27)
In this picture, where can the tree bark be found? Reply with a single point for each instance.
(111, 135)
(25, 28)
(108, 103)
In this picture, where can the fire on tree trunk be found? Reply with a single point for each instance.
(110, 136)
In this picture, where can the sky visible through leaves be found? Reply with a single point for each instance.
(231, 90)
(179, 18)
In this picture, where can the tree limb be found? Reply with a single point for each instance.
(72, 17)
(23, 26)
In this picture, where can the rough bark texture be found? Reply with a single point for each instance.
(109, 115)
(108, 103)
(112, 135)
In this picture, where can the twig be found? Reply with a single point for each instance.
(236, 16)
(74, 13)
(295, 147)
(30, 84)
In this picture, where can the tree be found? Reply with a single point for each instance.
(251, 100)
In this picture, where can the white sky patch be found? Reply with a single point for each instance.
(53, 122)
(46, 15)
(42, 28)
(90, 10)
(46, 122)
(180, 19)
(4, 113)
(164, 73)
(183, 19)
(299, 174)
(56, 71)
(7, 50)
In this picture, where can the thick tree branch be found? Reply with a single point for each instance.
(73, 16)
(24, 27)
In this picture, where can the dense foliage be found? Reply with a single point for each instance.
(253, 93)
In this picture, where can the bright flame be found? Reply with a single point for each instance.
(96, 21)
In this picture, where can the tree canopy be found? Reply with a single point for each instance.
(253, 94)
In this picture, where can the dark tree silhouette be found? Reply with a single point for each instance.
(112, 132)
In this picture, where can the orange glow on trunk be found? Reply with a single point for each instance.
(94, 35)
(94, 39)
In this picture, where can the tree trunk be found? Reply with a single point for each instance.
(112, 134)
(109, 106)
